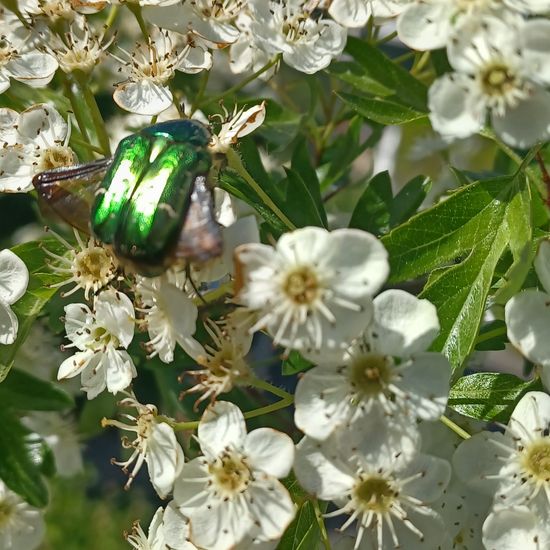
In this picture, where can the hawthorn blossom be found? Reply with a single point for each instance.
(498, 71)
(168, 529)
(513, 468)
(98, 335)
(232, 493)
(35, 140)
(307, 43)
(527, 317)
(385, 372)
(155, 444)
(170, 315)
(14, 278)
(389, 495)
(151, 66)
(313, 290)
(21, 525)
(356, 13)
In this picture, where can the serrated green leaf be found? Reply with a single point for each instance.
(18, 467)
(22, 391)
(489, 396)
(358, 77)
(383, 70)
(409, 199)
(295, 363)
(372, 212)
(382, 111)
(303, 533)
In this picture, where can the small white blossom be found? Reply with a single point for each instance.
(235, 486)
(528, 317)
(499, 71)
(308, 44)
(151, 66)
(61, 436)
(98, 336)
(19, 58)
(155, 444)
(367, 379)
(356, 13)
(88, 265)
(21, 525)
(14, 278)
(314, 290)
(388, 495)
(513, 467)
(34, 140)
(170, 315)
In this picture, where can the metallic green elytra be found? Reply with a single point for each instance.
(153, 202)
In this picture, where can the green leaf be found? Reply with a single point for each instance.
(470, 231)
(18, 461)
(372, 212)
(408, 200)
(39, 292)
(22, 391)
(382, 111)
(358, 77)
(299, 205)
(295, 363)
(381, 69)
(303, 533)
(489, 396)
(492, 336)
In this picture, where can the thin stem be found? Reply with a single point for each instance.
(214, 295)
(281, 404)
(241, 84)
(200, 92)
(386, 38)
(95, 113)
(176, 99)
(111, 18)
(545, 176)
(455, 427)
(86, 144)
(78, 107)
(420, 62)
(235, 162)
(136, 11)
(321, 522)
(404, 57)
(490, 334)
(178, 426)
(263, 385)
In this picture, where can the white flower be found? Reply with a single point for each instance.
(152, 65)
(98, 335)
(212, 20)
(14, 278)
(306, 43)
(21, 525)
(356, 13)
(497, 71)
(367, 379)
(88, 265)
(513, 466)
(170, 315)
(237, 125)
(61, 437)
(313, 291)
(540, 7)
(387, 494)
(234, 486)
(514, 528)
(528, 317)
(19, 58)
(34, 141)
(155, 443)
(224, 364)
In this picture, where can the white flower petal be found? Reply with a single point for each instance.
(403, 324)
(115, 312)
(190, 493)
(527, 317)
(9, 324)
(14, 277)
(75, 364)
(536, 48)
(435, 477)
(144, 97)
(176, 529)
(531, 416)
(455, 109)
(527, 123)
(35, 69)
(43, 125)
(542, 264)
(426, 25)
(350, 13)
(222, 425)
(119, 369)
(269, 451)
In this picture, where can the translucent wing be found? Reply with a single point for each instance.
(69, 191)
(201, 238)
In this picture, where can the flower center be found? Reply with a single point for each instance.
(294, 28)
(55, 9)
(370, 373)
(94, 267)
(6, 52)
(55, 157)
(230, 474)
(102, 338)
(302, 285)
(220, 10)
(374, 494)
(536, 459)
(498, 80)
(7, 510)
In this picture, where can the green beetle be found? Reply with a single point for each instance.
(151, 202)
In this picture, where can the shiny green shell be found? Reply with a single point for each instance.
(145, 195)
